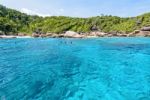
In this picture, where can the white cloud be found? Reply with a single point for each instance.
(31, 12)
(55, 12)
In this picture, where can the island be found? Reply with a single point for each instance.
(14, 24)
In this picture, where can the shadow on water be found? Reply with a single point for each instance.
(39, 88)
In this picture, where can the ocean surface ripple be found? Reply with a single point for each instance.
(75, 69)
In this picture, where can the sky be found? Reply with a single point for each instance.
(80, 8)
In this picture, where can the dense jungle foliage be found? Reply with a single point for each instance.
(13, 22)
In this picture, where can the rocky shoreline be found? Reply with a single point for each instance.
(143, 32)
(71, 34)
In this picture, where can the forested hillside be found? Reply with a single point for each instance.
(13, 22)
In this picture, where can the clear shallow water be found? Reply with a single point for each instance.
(75, 69)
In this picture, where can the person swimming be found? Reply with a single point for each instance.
(65, 42)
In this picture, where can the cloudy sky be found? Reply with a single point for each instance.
(80, 8)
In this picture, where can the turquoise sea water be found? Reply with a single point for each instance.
(75, 69)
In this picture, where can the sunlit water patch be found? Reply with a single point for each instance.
(75, 69)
